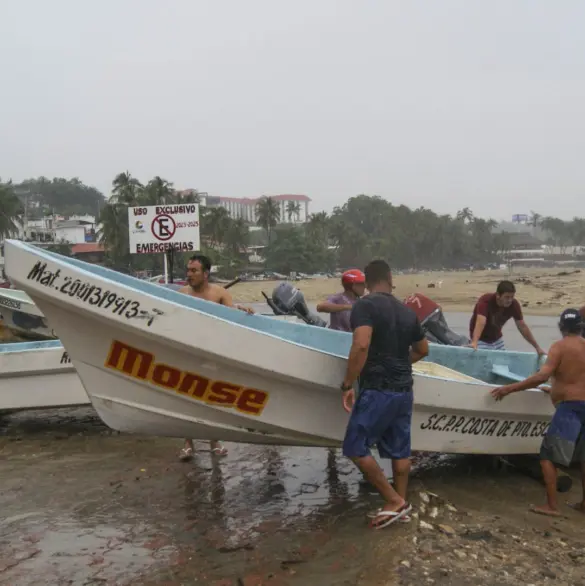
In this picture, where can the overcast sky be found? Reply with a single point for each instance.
(443, 104)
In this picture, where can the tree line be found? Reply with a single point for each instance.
(364, 227)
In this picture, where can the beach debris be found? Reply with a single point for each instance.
(405, 563)
(434, 513)
(424, 497)
(425, 525)
(447, 529)
(460, 554)
(450, 507)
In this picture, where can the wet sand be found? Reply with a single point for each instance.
(84, 505)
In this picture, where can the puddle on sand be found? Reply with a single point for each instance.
(63, 551)
(83, 505)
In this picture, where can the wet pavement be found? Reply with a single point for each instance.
(84, 505)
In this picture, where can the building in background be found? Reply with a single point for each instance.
(245, 207)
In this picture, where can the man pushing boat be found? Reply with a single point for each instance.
(387, 339)
(341, 304)
(198, 271)
(490, 314)
(565, 438)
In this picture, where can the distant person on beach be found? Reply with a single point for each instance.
(565, 438)
(198, 271)
(340, 304)
(387, 340)
(490, 314)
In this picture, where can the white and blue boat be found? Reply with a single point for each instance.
(36, 375)
(21, 316)
(157, 362)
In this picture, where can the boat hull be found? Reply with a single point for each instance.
(41, 375)
(21, 316)
(183, 367)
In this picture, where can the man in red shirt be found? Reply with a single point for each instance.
(491, 312)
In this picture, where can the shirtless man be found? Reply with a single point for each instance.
(565, 438)
(198, 270)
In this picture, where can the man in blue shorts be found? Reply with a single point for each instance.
(387, 339)
(564, 441)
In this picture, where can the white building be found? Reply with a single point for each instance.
(245, 207)
(74, 231)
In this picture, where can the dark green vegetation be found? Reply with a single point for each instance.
(364, 227)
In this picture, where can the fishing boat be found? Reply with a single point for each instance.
(20, 315)
(158, 362)
(38, 375)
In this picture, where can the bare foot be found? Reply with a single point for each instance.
(578, 506)
(545, 510)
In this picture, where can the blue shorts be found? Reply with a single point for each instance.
(382, 418)
(565, 438)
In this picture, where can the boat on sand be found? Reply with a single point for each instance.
(158, 362)
(20, 315)
(36, 375)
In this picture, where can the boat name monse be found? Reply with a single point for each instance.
(140, 364)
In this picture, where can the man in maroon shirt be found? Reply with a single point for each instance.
(491, 312)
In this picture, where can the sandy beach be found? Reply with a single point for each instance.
(540, 291)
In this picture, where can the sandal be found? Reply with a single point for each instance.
(186, 454)
(390, 517)
(373, 514)
(219, 451)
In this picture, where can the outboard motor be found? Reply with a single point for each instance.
(288, 300)
(433, 321)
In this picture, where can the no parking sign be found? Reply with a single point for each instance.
(155, 229)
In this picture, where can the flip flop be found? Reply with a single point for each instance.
(374, 514)
(391, 516)
(219, 451)
(185, 454)
(539, 511)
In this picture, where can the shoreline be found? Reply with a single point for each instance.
(540, 292)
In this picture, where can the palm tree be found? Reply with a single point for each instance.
(293, 208)
(535, 221)
(215, 225)
(113, 218)
(157, 191)
(466, 215)
(113, 233)
(11, 211)
(237, 235)
(125, 189)
(267, 214)
(318, 228)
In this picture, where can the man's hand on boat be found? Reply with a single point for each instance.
(500, 392)
(246, 309)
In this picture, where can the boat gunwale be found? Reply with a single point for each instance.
(179, 302)
(182, 301)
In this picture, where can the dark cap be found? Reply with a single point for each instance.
(570, 317)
